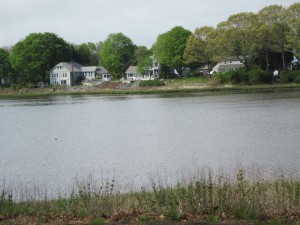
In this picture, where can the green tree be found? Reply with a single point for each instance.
(5, 67)
(34, 56)
(86, 54)
(82, 54)
(237, 37)
(169, 48)
(142, 59)
(140, 53)
(117, 53)
(293, 14)
(200, 49)
(274, 17)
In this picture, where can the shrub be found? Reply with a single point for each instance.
(239, 76)
(297, 79)
(288, 76)
(258, 76)
(151, 83)
(223, 77)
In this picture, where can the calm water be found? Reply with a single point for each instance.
(54, 141)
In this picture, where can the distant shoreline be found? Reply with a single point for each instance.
(167, 89)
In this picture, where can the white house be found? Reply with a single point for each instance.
(132, 73)
(153, 70)
(68, 73)
(225, 66)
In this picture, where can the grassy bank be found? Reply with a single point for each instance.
(242, 198)
(190, 85)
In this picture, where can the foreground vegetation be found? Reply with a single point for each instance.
(243, 196)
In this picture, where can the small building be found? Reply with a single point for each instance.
(68, 73)
(5, 80)
(41, 84)
(103, 74)
(132, 73)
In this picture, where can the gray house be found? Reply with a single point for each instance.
(68, 73)
(132, 73)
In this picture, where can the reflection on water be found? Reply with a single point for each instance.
(52, 140)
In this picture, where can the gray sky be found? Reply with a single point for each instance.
(79, 21)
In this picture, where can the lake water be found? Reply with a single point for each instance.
(54, 141)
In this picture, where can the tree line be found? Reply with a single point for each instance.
(268, 39)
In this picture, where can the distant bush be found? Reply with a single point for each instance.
(297, 79)
(223, 77)
(288, 76)
(239, 76)
(194, 73)
(258, 76)
(253, 75)
(151, 83)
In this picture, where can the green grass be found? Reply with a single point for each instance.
(202, 198)
(183, 85)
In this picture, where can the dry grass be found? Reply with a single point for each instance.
(200, 198)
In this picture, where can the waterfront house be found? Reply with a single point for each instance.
(132, 73)
(152, 70)
(69, 73)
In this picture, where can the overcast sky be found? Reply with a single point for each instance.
(80, 21)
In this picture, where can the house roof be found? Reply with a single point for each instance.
(98, 69)
(224, 66)
(76, 67)
(132, 69)
(71, 66)
(102, 70)
(88, 68)
(232, 66)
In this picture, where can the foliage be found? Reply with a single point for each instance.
(5, 67)
(140, 53)
(236, 37)
(86, 54)
(297, 79)
(253, 75)
(116, 54)
(169, 48)
(293, 15)
(35, 56)
(274, 18)
(200, 48)
(151, 83)
(204, 197)
(289, 76)
(145, 64)
(143, 59)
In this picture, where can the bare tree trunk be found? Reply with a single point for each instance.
(267, 59)
(282, 56)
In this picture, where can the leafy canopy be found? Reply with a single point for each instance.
(169, 47)
(5, 67)
(34, 56)
(117, 53)
(200, 48)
